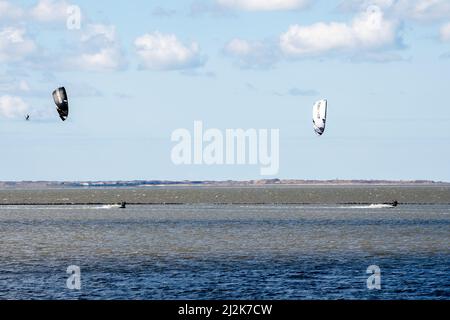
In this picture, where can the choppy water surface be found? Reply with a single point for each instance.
(202, 251)
(306, 194)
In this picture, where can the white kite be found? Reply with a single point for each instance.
(320, 116)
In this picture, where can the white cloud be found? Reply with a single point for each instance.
(264, 5)
(99, 50)
(99, 31)
(159, 51)
(44, 11)
(254, 54)
(420, 10)
(368, 31)
(10, 11)
(445, 32)
(13, 85)
(107, 59)
(96, 49)
(15, 45)
(50, 11)
(360, 5)
(239, 47)
(12, 107)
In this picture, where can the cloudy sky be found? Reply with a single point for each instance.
(137, 70)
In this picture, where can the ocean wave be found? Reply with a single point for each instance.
(372, 206)
(108, 206)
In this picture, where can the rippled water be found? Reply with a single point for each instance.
(306, 194)
(225, 251)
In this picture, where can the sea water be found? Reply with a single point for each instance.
(225, 251)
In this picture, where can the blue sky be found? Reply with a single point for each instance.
(136, 71)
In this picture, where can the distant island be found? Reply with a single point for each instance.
(226, 183)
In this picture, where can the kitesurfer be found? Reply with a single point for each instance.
(123, 205)
(393, 204)
(27, 117)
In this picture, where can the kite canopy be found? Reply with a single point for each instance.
(62, 103)
(320, 116)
